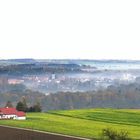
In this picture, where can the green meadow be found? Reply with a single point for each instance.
(86, 123)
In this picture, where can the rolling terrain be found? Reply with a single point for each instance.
(86, 123)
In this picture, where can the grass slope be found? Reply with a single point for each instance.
(84, 123)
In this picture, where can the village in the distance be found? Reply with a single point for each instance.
(51, 76)
(63, 80)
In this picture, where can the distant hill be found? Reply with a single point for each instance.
(17, 61)
(21, 67)
(23, 60)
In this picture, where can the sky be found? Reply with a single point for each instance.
(70, 29)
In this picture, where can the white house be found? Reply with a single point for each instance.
(12, 113)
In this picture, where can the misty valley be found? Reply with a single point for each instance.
(71, 84)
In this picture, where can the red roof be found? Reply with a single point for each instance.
(20, 114)
(11, 111)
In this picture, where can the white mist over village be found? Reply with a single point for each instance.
(70, 75)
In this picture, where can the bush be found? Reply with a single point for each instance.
(110, 134)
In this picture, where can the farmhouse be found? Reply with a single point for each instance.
(11, 113)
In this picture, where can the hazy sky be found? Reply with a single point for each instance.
(89, 29)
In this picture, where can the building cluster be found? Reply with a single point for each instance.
(11, 113)
(51, 83)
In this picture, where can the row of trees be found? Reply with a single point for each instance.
(22, 106)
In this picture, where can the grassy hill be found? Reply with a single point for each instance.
(84, 123)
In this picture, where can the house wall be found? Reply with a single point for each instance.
(15, 117)
(8, 116)
(21, 118)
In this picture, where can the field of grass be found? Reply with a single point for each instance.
(84, 123)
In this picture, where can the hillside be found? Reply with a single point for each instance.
(84, 123)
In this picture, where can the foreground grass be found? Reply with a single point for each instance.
(84, 123)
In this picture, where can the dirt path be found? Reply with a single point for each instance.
(12, 133)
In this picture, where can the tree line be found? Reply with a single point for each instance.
(22, 106)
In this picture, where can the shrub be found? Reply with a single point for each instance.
(110, 134)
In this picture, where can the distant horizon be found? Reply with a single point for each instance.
(86, 59)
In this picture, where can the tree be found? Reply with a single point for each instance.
(37, 107)
(24, 104)
(9, 104)
(20, 106)
(31, 109)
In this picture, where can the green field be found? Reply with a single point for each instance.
(84, 123)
